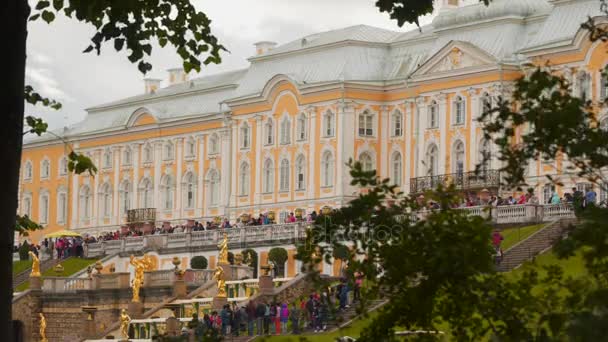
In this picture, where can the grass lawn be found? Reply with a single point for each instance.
(514, 235)
(573, 267)
(70, 267)
(20, 266)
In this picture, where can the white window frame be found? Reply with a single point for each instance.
(124, 197)
(397, 168)
(62, 207)
(28, 170)
(301, 131)
(268, 176)
(214, 144)
(432, 164)
(367, 161)
(366, 124)
(329, 127)
(285, 130)
(127, 156)
(168, 151)
(245, 136)
(458, 166)
(397, 124)
(45, 169)
(63, 166)
(189, 186)
(284, 173)
(85, 202)
(214, 187)
(43, 207)
(167, 192)
(146, 193)
(244, 179)
(148, 153)
(460, 109)
(107, 159)
(327, 169)
(190, 148)
(300, 173)
(433, 115)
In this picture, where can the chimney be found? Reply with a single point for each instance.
(177, 75)
(263, 47)
(151, 85)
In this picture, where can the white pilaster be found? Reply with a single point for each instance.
(472, 126)
(178, 211)
(201, 175)
(75, 207)
(225, 172)
(384, 138)
(444, 123)
(420, 125)
(258, 162)
(115, 199)
(346, 148)
(233, 159)
(312, 155)
(158, 161)
(135, 180)
(408, 134)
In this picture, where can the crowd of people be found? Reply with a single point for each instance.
(56, 248)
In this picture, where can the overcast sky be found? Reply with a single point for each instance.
(57, 68)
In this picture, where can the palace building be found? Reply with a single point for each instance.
(276, 135)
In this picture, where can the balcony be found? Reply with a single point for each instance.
(462, 181)
(141, 215)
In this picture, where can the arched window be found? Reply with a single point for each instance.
(327, 169)
(166, 191)
(268, 174)
(300, 173)
(397, 124)
(584, 85)
(146, 193)
(244, 179)
(214, 187)
(459, 110)
(189, 186)
(148, 153)
(26, 205)
(245, 136)
(168, 151)
(547, 193)
(269, 132)
(126, 156)
(43, 217)
(85, 202)
(214, 144)
(125, 197)
(62, 206)
(433, 116)
(107, 159)
(328, 124)
(45, 169)
(603, 87)
(366, 161)
(285, 130)
(190, 148)
(485, 155)
(284, 175)
(397, 167)
(27, 170)
(301, 127)
(432, 160)
(366, 124)
(105, 200)
(63, 166)
(458, 157)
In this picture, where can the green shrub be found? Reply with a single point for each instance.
(199, 263)
(278, 256)
(231, 258)
(23, 251)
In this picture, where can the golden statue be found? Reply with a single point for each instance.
(42, 330)
(223, 246)
(124, 324)
(35, 265)
(141, 266)
(218, 275)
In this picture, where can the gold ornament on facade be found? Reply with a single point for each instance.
(58, 269)
(455, 57)
(141, 266)
(266, 270)
(35, 265)
(124, 324)
(271, 215)
(98, 266)
(42, 330)
(218, 275)
(176, 262)
(299, 212)
(223, 246)
(238, 259)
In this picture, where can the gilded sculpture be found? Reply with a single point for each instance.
(223, 246)
(42, 330)
(35, 265)
(124, 324)
(218, 275)
(141, 266)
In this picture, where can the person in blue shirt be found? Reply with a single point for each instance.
(590, 197)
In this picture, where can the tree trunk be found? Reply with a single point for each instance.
(14, 18)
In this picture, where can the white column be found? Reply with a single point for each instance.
(384, 137)
(408, 134)
(201, 175)
(135, 180)
(115, 214)
(225, 172)
(312, 155)
(178, 207)
(233, 158)
(75, 208)
(444, 123)
(472, 126)
(258, 162)
(158, 161)
(420, 123)
(346, 148)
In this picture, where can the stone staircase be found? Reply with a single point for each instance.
(534, 245)
(44, 266)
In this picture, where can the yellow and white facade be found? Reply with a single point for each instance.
(276, 135)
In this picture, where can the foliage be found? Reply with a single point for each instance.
(250, 258)
(278, 255)
(25, 225)
(34, 98)
(199, 262)
(409, 10)
(23, 251)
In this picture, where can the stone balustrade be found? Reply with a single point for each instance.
(62, 284)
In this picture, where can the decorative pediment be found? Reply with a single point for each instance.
(456, 55)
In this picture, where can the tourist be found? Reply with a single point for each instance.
(522, 199)
(577, 197)
(555, 198)
(357, 287)
(275, 319)
(243, 319)
(226, 317)
(343, 295)
(294, 317)
(284, 316)
(590, 197)
(260, 313)
(267, 319)
(497, 239)
(250, 317)
(310, 306)
(313, 215)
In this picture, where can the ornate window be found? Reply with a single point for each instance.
(146, 193)
(458, 157)
(603, 87)
(105, 200)
(584, 85)
(26, 205)
(214, 187)
(62, 206)
(148, 153)
(547, 193)
(85, 202)
(397, 167)
(125, 197)
(127, 156)
(63, 166)
(268, 174)
(190, 148)
(366, 161)
(433, 116)
(269, 132)
(328, 124)
(397, 124)
(244, 179)
(27, 170)
(43, 215)
(284, 175)
(214, 144)
(166, 191)
(366, 124)
(432, 160)
(459, 110)
(245, 136)
(107, 159)
(285, 130)
(300, 173)
(45, 169)
(168, 151)
(301, 127)
(189, 185)
(327, 169)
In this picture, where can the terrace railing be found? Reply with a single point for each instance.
(489, 179)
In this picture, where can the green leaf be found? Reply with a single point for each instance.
(58, 4)
(42, 4)
(48, 16)
(88, 49)
(24, 225)
(79, 163)
(162, 42)
(118, 43)
(35, 17)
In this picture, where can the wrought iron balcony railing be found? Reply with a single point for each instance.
(141, 215)
(464, 181)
